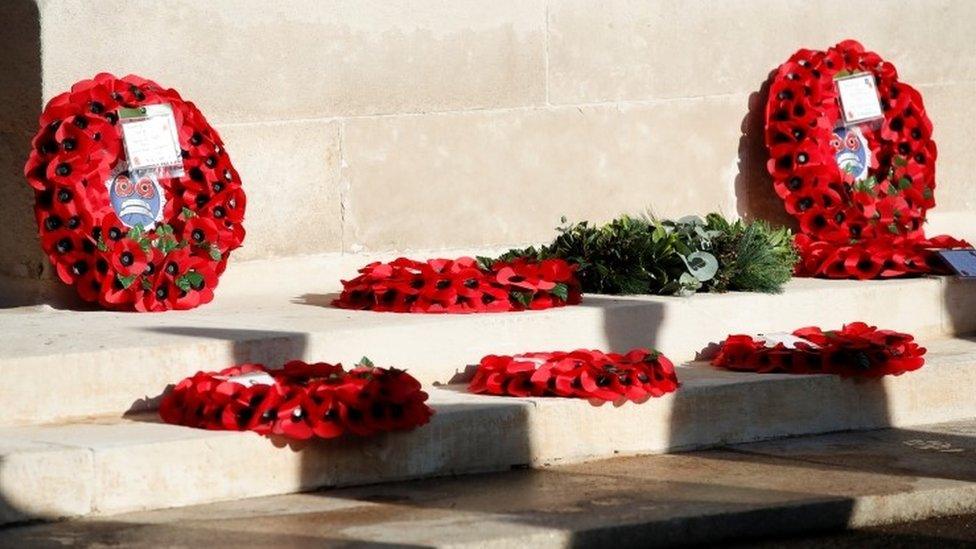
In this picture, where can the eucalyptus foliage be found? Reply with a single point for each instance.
(645, 255)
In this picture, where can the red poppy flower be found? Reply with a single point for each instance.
(127, 258)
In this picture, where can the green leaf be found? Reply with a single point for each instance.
(101, 245)
(215, 253)
(365, 361)
(187, 213)
(188, 280)
(484, 263)
(126, 281)
(146, 285)
(135, 233)
(893, 228)
(561, 291)
(702, 265)
(900, 161)
(522, 298)
(904, 183)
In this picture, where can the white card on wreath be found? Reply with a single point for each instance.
(250, 379)
(150, 137)
(787, 339)
(859, 99)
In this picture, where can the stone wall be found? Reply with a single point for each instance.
(393, 125)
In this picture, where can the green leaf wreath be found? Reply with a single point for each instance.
(645, 255)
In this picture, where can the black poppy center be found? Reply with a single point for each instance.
(64, 245)
(52, 223)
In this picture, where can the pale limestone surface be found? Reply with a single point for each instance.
(138, 463)
(486, 178)
(634, 49)
(99, 362)
(294, 205)
(796, 485)
(397, 125)
(251, 60)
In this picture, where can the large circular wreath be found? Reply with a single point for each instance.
(852, 225)
(74, 156)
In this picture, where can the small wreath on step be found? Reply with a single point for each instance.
(857, 349)
(863, 221)
(299, 401)
(636, 376)
(463, 285)
(143, 243)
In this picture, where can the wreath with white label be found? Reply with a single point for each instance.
(859, 192)
(128, 238)
(299, 400)
(856, 350)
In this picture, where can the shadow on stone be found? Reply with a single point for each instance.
(24, 271)
(316, 300)
(755, 197)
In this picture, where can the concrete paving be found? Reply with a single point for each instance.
(952, 532)
(778, 488)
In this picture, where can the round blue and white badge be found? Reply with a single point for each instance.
(851, 152)
(136, 197)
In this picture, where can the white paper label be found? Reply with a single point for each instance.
(961, 261)
(859, 98)
(787, 339)
(151, 141)
(251, 379)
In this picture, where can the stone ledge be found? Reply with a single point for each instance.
(98, 362)
(139, 463)
(789, 487)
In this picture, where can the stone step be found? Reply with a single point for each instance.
(63, 364)
(795, 486)
(105, 466)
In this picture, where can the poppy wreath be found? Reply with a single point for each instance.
(299, 401)
(865, 228)
(857, 349)
(635, 376)
(175, 265)
(464, 285)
